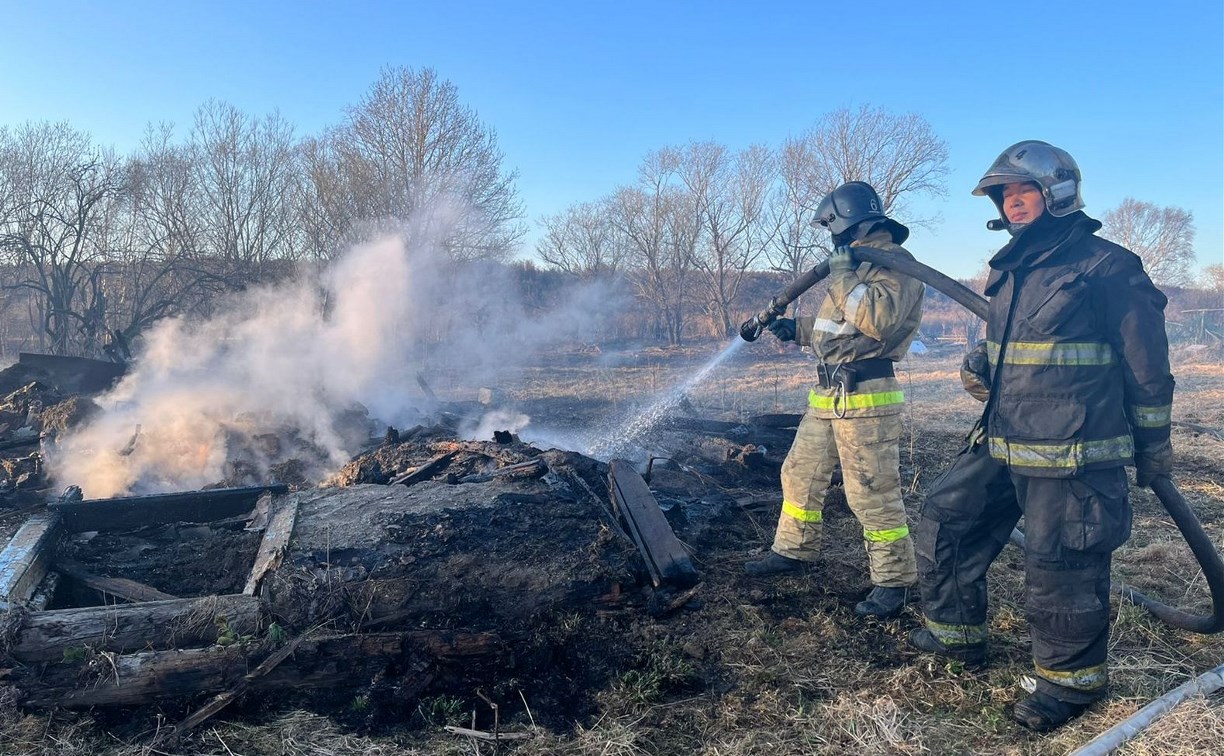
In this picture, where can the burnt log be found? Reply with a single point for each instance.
(107, 680)
(151, 625)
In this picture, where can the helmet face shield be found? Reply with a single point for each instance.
(1045, 165)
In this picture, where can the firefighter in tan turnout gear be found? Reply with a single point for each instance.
(1075, 376)
(864, 326)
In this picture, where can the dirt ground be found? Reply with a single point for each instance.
(746, 666)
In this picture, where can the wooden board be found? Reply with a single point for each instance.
(131, 512)
(25, 559)
(275, 541)
(151, 625)
(666, 560)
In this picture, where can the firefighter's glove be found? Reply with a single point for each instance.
(842, 260)
(975, 372)
(1152, 462)
(783, 328)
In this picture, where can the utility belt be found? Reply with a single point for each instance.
(847, 375)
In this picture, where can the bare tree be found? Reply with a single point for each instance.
(1213, 277)
(410, 152)
(581, 240)
(1163, 237)
(728, 193)
(655, 220)
(59, 193)
(246, 176)
(797, 242)
(899, 155)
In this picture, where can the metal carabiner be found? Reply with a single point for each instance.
(840, 399)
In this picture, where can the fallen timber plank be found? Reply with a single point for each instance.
(151, 625)
(275, 541)
(128, 590)
(530, 469)
(131, 512)
(666, 560)
(25, 559)
(221, 700)
(335, 661)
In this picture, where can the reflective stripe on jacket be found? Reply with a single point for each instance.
(1078, 354)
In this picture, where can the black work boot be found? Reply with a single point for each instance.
(970, 654)
(774, 564)
(882, 602)
(1042, 712)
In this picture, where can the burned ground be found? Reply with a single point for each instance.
(589, 657)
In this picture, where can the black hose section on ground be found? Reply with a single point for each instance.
(1174, 503)
(1206, 554)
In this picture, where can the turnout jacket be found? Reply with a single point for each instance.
(1078, 353)
(869, 312)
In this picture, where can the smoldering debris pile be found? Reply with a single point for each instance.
(426, 565)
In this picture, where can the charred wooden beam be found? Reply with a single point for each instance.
(45, 592)
(131, 512)
(666, 560)
(151, 625)
(532, 468)
(425, 471)
(25, 559)
(122, 588)
(135, 679)
(275, 541)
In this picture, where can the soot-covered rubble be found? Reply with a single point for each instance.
(428, 565)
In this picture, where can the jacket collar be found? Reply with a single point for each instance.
(1045, 241)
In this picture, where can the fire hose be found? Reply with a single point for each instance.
(1174, 503)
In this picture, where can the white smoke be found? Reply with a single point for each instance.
(290, 358)
(282, 372)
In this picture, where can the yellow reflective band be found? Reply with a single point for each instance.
(1151, 417)
(886, 536)
(1087, 678)
(1049, 353)
(957, 635)
(799, 513)
(1066, 455)
(855, 401)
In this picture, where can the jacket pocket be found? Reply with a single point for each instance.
(1060, 304)
(1098, 511)
(1042, 436)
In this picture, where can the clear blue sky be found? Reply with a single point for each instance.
(578, 92)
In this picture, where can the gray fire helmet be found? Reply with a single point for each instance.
(1040, 163)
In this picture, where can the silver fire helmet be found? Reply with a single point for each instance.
(1043, 164)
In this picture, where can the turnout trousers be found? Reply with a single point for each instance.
(1072, 525)
(867, 448)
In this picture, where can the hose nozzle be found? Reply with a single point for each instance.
(750, 329)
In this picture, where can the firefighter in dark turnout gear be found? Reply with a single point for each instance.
(1075, 376)
(864, 325)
